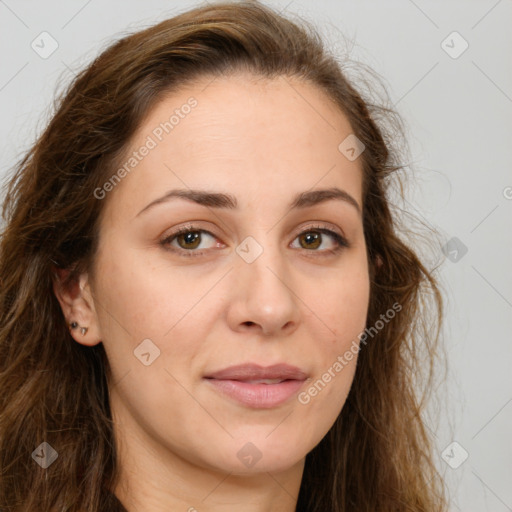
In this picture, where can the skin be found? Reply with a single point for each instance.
(262, 141)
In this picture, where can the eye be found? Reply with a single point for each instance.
(313, 238)
(186, 240)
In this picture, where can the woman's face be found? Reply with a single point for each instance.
(258, 278)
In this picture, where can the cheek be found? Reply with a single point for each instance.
(342, 305)
(138, 297)
(336, 355)
(149, 310)
(141, 313)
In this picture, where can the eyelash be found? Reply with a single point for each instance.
(342, 242)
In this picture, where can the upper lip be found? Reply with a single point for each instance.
(256, 372)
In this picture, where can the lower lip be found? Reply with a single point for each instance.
(258, 396)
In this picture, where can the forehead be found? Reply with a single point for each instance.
(249, 134)
(257, 108)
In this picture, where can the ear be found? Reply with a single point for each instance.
(77, 305)
(378, 261)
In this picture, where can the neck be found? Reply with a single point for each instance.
(154, 478)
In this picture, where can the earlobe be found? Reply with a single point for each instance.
(78, 310)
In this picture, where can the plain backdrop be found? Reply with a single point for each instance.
(448, 71)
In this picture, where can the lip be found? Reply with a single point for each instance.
(251, 371)
(233, 382)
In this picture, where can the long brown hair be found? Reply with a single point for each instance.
(377, 456)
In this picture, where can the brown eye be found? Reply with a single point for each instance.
(189, 240)
(186, 240)
(313, 238)
(310, 240)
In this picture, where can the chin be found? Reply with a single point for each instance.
(258, 453)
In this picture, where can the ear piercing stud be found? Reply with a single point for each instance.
(83, 330)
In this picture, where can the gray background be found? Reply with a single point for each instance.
(458, 114)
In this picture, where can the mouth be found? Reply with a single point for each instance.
(258, 387)
(263, 381)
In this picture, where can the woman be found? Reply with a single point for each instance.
(206, 304)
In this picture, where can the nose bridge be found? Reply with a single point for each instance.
(265, 292)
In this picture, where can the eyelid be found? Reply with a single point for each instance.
(319, 225)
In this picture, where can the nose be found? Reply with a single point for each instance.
(263, 299)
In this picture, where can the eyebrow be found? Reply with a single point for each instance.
(228, 201)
